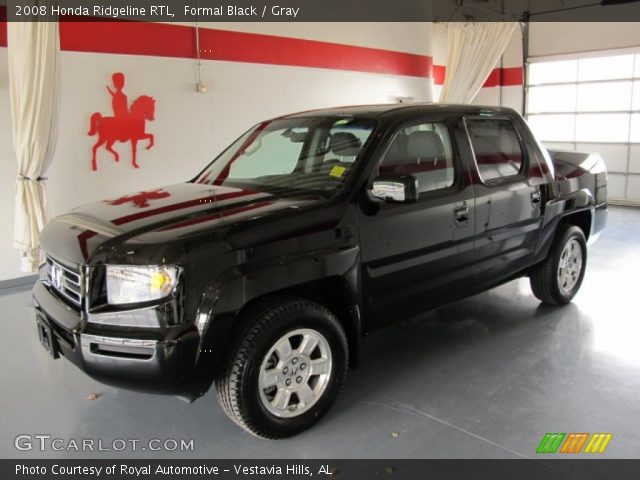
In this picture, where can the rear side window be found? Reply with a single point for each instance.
(424, 151)
(496, 148)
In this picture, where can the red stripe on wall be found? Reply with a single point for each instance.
(165, 40)
(438, 74)
(179, 41)
(493, 80)
(133, 38)
(3, 26)
(505, 77)
(512, 76)
(273, 50)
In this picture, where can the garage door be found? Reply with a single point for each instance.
(591, 102)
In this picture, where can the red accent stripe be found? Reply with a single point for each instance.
(505, 77)
(439, 72)
(3, 26)
(178, 41)
(132, 38)
(273, 50)
(166, 40)
(512, 76)
(493, 80)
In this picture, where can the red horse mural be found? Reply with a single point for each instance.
(125, 125)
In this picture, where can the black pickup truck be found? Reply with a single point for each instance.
(264, 272)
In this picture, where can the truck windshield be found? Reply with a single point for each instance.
(296, 155)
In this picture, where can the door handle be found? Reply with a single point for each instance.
(535, 198)
(461, 215)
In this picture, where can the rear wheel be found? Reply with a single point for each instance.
(557, 280)
(285, 370)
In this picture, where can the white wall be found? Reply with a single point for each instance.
(554, 38)
(9, 259)
(190, 127)
(412, 37)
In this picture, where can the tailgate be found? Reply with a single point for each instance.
(578, 170)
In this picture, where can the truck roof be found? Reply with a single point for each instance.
(399, 109)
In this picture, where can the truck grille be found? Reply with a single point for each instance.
(65, 281)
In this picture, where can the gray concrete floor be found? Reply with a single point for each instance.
(486, 377)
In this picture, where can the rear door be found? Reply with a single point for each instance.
(414, 255)
(508, 198)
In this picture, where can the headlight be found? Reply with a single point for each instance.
(129, 284)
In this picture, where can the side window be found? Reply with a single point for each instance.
(424, 151)
(496, 148)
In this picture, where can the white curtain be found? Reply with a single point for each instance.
(32, 55)
(473, 51)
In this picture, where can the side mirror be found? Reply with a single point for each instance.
(400, 189)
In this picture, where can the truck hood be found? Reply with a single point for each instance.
(155, 217)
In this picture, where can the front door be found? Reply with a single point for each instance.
(414, 255)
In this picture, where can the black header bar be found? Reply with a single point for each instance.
(324, 10)
(117, 469)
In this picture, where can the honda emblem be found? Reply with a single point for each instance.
(56, 276)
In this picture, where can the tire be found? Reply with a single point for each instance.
(553, 285)
(298, 387)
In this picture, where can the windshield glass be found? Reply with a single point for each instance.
(297, 155)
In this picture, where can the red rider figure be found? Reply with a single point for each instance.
(119, 101)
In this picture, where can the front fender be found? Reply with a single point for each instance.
(238, 286)
(226, 295)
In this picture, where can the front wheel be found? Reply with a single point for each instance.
(285, 371)
(557, 280)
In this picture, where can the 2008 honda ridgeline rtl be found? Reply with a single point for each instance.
(263, 273)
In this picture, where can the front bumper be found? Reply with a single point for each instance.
(161, 360)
